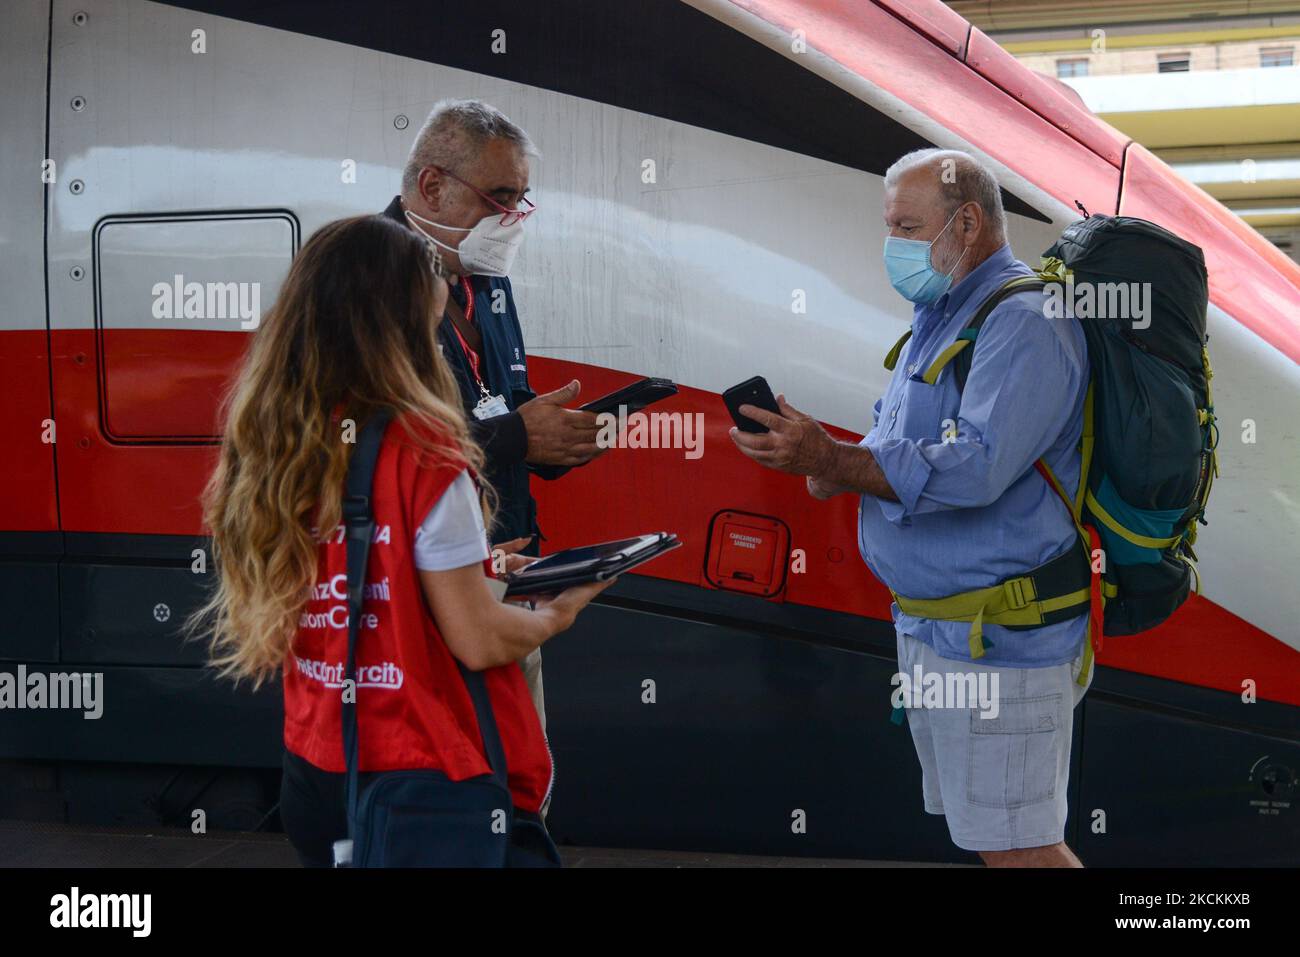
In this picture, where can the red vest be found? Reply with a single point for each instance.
(413, 709)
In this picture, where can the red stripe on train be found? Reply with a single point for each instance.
(111, 486)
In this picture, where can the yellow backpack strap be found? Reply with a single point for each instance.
(1142, 541)
(1086, 442)
(1052, 269)
(963, 341)
(1207, 418)
(966, 338)
(1056, 591)
(891, 357)
(1013, 284)
(1086, 667)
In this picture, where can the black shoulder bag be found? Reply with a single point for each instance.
(420, 818)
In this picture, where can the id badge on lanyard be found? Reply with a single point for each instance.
(490, 406)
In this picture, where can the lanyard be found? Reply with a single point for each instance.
(469, 298)
(470, 354)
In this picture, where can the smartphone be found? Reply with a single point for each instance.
(635, 396)
(754, 392)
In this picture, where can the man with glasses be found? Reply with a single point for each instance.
(464, 188)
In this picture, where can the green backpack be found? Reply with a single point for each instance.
(1149, 436)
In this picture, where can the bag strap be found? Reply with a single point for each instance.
(891, 357)
(960, 349)
(958, 352)
(359, 525)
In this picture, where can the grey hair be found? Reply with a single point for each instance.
(971, 182)
(454, 134)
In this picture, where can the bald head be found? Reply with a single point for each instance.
(950, 198)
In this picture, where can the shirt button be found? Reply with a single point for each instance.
(894, 414)
(911, 368)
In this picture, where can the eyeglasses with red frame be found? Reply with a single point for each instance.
(508, 216)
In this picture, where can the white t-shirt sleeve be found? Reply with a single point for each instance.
(452, 534)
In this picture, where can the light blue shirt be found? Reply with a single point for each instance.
(974, 511)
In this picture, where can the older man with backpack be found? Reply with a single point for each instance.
(1029, 464)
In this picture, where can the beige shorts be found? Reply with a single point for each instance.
(994, 761)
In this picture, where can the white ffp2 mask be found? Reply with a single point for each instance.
(488, 250)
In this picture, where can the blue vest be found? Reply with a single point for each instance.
(504, 367)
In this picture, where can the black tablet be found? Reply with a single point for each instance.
(635, 397)
(588, 563)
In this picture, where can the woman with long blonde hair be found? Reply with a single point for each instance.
(352, 334)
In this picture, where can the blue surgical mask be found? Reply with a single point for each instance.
(911, 271)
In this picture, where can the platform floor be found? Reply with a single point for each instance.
(31, 844)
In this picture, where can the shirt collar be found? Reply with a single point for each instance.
(976, 279)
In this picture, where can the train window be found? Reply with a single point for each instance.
(1173, 62)
(1077, 66)
(176, 296)
(1277, 56)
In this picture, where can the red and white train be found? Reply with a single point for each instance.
(710, 191)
